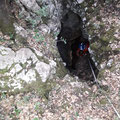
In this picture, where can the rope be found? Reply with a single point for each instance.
(103, 91)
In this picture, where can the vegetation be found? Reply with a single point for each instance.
(42, 12)
(38, 37)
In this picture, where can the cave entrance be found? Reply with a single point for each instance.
(69, 40)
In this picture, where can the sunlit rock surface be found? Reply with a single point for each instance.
(23, 67)
(30, 4)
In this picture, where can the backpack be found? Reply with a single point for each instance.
(82, 49)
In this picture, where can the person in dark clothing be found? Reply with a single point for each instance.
(79, 48)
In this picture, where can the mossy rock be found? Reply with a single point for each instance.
(61, 70)
(41, 88)
(103, 101)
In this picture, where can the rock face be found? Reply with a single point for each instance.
(80, 1)
(23, 66)
(27, 59)
(30, 4)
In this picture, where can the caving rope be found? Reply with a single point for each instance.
(97, 83)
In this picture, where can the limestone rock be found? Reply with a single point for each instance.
(24, 55)
(6, 57)
(20, 30)
(44, 28)
(27, 76)
(109, 63)
(30, 4)
(43, 70)
(15, 70)
(80, 1)
(23, 67)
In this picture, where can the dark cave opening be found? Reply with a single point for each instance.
(69, 40)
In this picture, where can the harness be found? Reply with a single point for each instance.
(82, 49)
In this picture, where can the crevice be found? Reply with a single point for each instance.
(74, 52)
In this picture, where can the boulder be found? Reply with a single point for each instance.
(23, 67)
(30, 5)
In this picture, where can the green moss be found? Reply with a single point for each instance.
(111, 31)
(106, 39)
(90, 10)
(113, 68)
(2, 40)
(89, 3)
(91, 29)
(103, 101)
(99, 18)
(102, 25)
(40, 110)
(61, 70)
(105, 88)
(101, 74)
(4, 87)
(45, 60)
(99, 45)
(91, 32)
(116, 51)
(12, 66)
(6, 28)
(41, 58)
(108, 36)
(20, 41)
(45, 20)
(94, 46)
(86, 89)
(101, 48)
(23, 65)
(93, 95)
(41, 88)
(3, 71)
(65, 106)
(106, 48)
